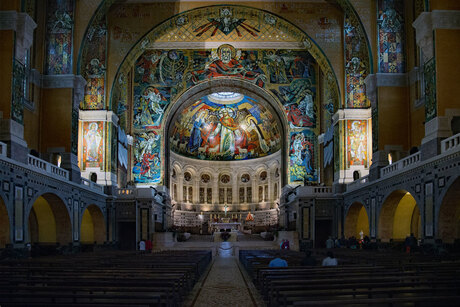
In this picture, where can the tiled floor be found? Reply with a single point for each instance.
(225, 283)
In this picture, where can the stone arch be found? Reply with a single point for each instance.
(399, 216)
(226, 85)
(92, 227)
(356, 219)
(49, 220)
(449, 213)
(5, 225)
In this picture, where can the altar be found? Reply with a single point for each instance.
(233, 227)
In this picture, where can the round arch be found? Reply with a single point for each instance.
(92, 227)
(356, 220)
(226, 85)
(399, 216)
(49, 220)
(5, 234)
(449, 214)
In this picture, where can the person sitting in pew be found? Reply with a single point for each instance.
(309, 260)
(330, 260)
(278, 262)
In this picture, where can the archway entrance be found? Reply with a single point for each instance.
(449, 214)
(399, 217)
(92, 226)
(49, 221)
(356, 221)
(4, 225)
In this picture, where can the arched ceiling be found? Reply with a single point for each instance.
(225, 126)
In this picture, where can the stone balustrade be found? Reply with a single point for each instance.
(49, 168)
(2, 149)
(92, 185)
(450, 143)
(357, 183)
(409, 161)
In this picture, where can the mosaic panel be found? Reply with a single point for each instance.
(375, 129)
(302, 156)
(19, 79)
(147, 160)
(357, 143)
(328, 146)
(59, 30)
(113, 149)
(120, 99)
(161, 74)
(93, 144)
(336, 148)
(429, 72)
(391, 36)
(74, 132)
(232, 129)
(176, 29)
(356, 65)
(93, 64)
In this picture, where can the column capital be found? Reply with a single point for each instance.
(24, 27)
(427, 22)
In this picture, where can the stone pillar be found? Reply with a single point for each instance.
(389, 96)
(97, 128)
(437, 34)
(16, 35)
(355, 152)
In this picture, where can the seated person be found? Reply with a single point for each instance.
(330, 260)
(308, 260)
(278, 262)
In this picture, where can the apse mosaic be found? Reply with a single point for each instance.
(161, 75)
(93, 144)
(357, 143)
(146, 162)
(225, 126)
(59, 37)
(302, 147)
(391, 36)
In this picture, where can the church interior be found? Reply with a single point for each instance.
(202, 139)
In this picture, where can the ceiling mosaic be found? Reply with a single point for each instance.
(225, 126)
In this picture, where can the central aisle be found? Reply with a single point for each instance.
(225, 284)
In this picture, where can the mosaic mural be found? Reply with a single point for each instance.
(93, 64)
(19, 79)
(147, 160)
(59, 31)
(336, 148)
(120, 99)
(93, 144)
(74, 132)
(357, 143)
(356, 65)
(391, 36)
(302, 149)
(429, 72)
(161, 75)
(221, 128)
(375, 129)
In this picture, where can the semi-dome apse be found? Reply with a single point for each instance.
(225, 126)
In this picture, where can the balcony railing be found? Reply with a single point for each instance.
(2, 149)
(44, 166)
(450, 143)
(92, 185)
(357, 183)
(401, 164)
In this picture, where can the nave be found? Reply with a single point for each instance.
(197, 278)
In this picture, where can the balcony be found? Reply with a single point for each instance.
(46, 167)
(402, 164)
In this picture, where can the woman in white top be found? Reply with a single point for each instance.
(330, 260)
